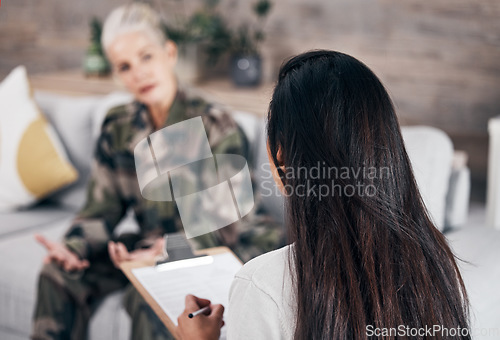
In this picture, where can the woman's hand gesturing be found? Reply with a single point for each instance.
(61, 255)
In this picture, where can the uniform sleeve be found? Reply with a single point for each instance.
(224, 134)
(104, 208)
(225, 137)
(252, 314)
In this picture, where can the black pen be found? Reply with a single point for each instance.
(199, 311)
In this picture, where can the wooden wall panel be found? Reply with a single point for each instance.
(439, 59)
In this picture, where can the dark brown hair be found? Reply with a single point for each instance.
(364, 258)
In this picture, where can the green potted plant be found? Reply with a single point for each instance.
(246, 62)
(95, 62)
(208, 30)
(202, 39)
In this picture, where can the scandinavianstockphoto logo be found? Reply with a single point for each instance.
(176, 164)
(321, 181)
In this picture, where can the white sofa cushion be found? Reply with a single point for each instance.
(431, 155)
(19, 276)
(31, 220)
(18, 282)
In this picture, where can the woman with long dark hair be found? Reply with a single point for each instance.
(366, 259)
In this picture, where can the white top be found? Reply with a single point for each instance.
(261, 302)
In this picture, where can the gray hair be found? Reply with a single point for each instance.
(132, 17)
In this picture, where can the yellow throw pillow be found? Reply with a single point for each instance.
(33, 162)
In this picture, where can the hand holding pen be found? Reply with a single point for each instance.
(203, 310)
(200, 320)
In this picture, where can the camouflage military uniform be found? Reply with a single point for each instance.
(65, 302)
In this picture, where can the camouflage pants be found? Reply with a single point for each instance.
(65, 303)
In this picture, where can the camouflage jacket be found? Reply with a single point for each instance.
(113, 187)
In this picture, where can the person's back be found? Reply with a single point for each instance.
(366, 260)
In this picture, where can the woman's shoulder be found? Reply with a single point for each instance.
(119, 114)
(121, 127)
(217, 118)
(268, 271)
(261, 298)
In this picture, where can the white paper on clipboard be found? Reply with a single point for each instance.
(170, 284)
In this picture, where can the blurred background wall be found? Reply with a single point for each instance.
(440, 59)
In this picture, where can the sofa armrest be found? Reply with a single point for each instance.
(458, 195)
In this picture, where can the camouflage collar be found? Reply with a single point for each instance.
(178, 110)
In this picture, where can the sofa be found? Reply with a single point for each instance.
(445, 186)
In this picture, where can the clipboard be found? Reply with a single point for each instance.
(128, 268)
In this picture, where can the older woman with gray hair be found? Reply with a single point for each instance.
(83, 268)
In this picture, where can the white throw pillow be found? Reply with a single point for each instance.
(33, 162)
